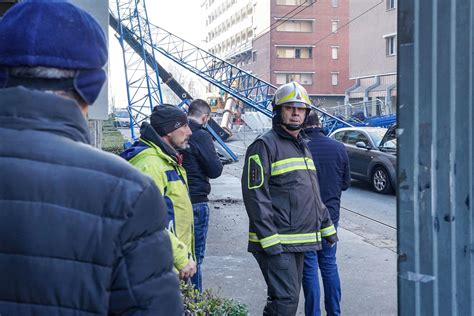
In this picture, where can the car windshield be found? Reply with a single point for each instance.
(377, 135)
(390, 140)
(121, 114)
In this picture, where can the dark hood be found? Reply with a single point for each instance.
(25, 109)
(310, 131)
(194, 126)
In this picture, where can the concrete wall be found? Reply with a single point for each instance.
(261, 50)
(367, 43)
(261, 18)
(98, 9)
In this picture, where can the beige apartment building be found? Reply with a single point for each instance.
(373, 51)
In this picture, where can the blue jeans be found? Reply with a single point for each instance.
(201, 224)
(326, 260)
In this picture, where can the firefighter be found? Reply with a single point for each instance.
(281, 195)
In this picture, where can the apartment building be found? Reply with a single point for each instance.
(285, 40)
(373, 51)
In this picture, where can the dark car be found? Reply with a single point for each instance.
(372, 155)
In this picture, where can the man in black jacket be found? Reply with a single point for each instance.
(332, 166)
(201, 163)
(281, 195)
(82, 232)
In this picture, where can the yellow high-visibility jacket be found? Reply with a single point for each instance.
(158, 160)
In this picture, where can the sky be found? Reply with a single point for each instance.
(180, 17)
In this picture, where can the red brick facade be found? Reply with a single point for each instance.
(321, 65)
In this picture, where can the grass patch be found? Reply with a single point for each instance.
(112, 139)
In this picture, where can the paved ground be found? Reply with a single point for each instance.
(366, 256)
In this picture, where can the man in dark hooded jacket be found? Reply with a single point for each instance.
(332, 167)
(201, 163)
(81, 231)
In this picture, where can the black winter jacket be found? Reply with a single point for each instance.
(81, 231)
(332, 166)
(281, 195)
(201, 163)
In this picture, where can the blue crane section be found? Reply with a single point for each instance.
(142, 70)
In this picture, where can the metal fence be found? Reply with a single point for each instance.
(435, 117)
(376, 107)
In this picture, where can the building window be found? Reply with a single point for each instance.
(295, 26)
(334, 26)
(390, 4)
(254, 56)
(391, 45)
(334, 78)
(294, 52)
(293, 2)
(298, 53)
(302, 78)
(334, 52)
(334, 3)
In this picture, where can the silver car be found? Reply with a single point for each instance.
(372, 155)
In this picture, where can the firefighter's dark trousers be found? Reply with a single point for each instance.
(283, 274)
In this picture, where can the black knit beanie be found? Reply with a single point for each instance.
(166, 118)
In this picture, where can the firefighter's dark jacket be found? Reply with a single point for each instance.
(281, 195)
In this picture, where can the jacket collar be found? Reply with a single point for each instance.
(313, 131)
(149, 136)
(194, 125)
(25, 109)
(281, 132)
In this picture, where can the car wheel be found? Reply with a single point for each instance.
(381, 180)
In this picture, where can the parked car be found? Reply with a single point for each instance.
(121, 118)
(372, 155)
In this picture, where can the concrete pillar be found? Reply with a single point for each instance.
(228, 115)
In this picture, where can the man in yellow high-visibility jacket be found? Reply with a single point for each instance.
(155, 155)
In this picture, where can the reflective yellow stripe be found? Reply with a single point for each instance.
(285, 161)
(328, 231)
(265, 242)
(253, 237)
(270, 241)
(298, 238)
(286, 239)
(292, 164)
(306, 98)
(287, 97)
